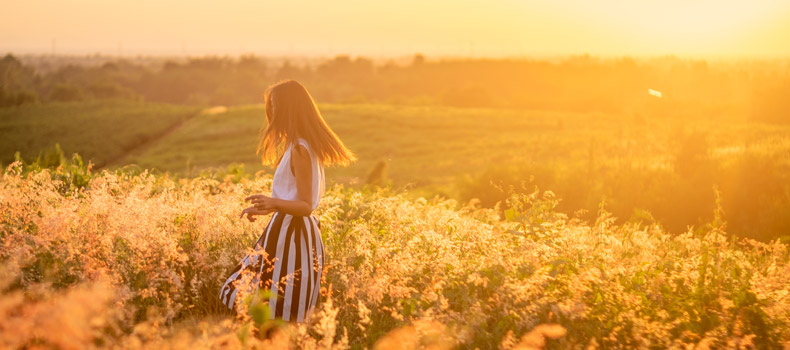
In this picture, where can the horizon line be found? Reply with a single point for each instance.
(396, 56)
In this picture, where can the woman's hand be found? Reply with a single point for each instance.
(262, 202)
(252, 211)
(302, 170)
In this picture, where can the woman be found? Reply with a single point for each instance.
(288, 257)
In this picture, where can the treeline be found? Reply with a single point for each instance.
(577, 83)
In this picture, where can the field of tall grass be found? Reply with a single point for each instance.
(629, 162)
(128, 260)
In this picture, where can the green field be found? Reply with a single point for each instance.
(99, 131)
(659, 167)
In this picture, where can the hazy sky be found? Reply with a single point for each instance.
(402, 27)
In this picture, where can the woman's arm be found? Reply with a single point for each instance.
(303, 171)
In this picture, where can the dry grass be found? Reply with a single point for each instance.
(135, 261)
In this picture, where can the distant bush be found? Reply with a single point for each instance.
(691, 155)
(66, 93)
(772, 103)
(378, 175)
(18, 98)
(17, 83)
(111, 90)
(467, 96)
(755, 192)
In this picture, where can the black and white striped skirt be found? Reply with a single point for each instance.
(290, 253)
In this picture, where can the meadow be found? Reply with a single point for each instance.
(128, 260)
(99, 131)
(510, 204)
(627, 162)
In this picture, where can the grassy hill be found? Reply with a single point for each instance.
(128, 261)
(423, 146)
(100, 131)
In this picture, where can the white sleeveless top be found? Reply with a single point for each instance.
(284, 182)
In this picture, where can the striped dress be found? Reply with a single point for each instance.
(288, 258)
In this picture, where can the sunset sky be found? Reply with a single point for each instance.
(404, 27)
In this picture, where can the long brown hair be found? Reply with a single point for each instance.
(291, 114)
